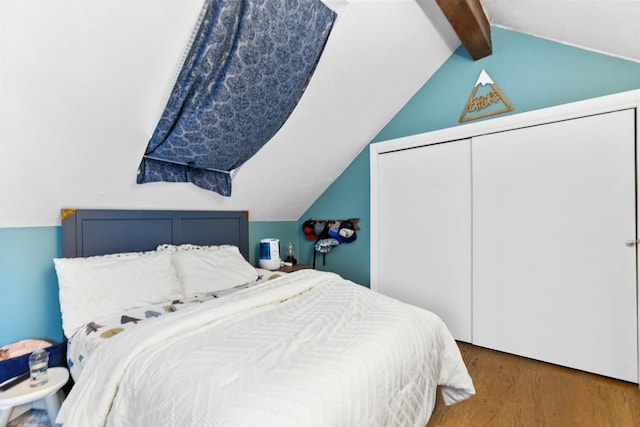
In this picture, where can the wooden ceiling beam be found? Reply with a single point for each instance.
(471, 24)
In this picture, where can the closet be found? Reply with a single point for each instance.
(522, 239)
(425, 209)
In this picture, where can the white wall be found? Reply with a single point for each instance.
(83, 82)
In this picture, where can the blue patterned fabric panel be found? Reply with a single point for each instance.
(247, 67)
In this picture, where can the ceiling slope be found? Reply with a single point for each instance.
(378, 55)
(611, 27)
(99, 99)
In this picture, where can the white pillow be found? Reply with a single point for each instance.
(98, 287)
(213, 268)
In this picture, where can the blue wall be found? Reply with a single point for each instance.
(29, 286)
(348, 197)
(532, 73)
(284, 230)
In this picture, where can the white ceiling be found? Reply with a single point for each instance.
(380, 52)
(85, 81)
(607, 26)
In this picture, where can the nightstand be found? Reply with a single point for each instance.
(293, 268)
(23, 393)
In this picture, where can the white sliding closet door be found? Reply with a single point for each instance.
(425, 234)
(553, 279)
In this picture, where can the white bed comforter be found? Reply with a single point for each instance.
(306, 349)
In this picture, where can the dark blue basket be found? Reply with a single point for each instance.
(18, 365)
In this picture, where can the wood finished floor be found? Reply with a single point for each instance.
(516, 391)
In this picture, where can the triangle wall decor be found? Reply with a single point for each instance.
(486, 99)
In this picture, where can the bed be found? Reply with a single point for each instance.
(168, 324)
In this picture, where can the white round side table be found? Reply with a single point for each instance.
(23, 393)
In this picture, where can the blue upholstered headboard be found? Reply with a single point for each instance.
(89, 232)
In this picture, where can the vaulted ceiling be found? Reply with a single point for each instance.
(608, 26)
(379, 53)
(382, 51)
(103, 86)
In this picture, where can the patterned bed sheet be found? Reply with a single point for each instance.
(83, 343)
